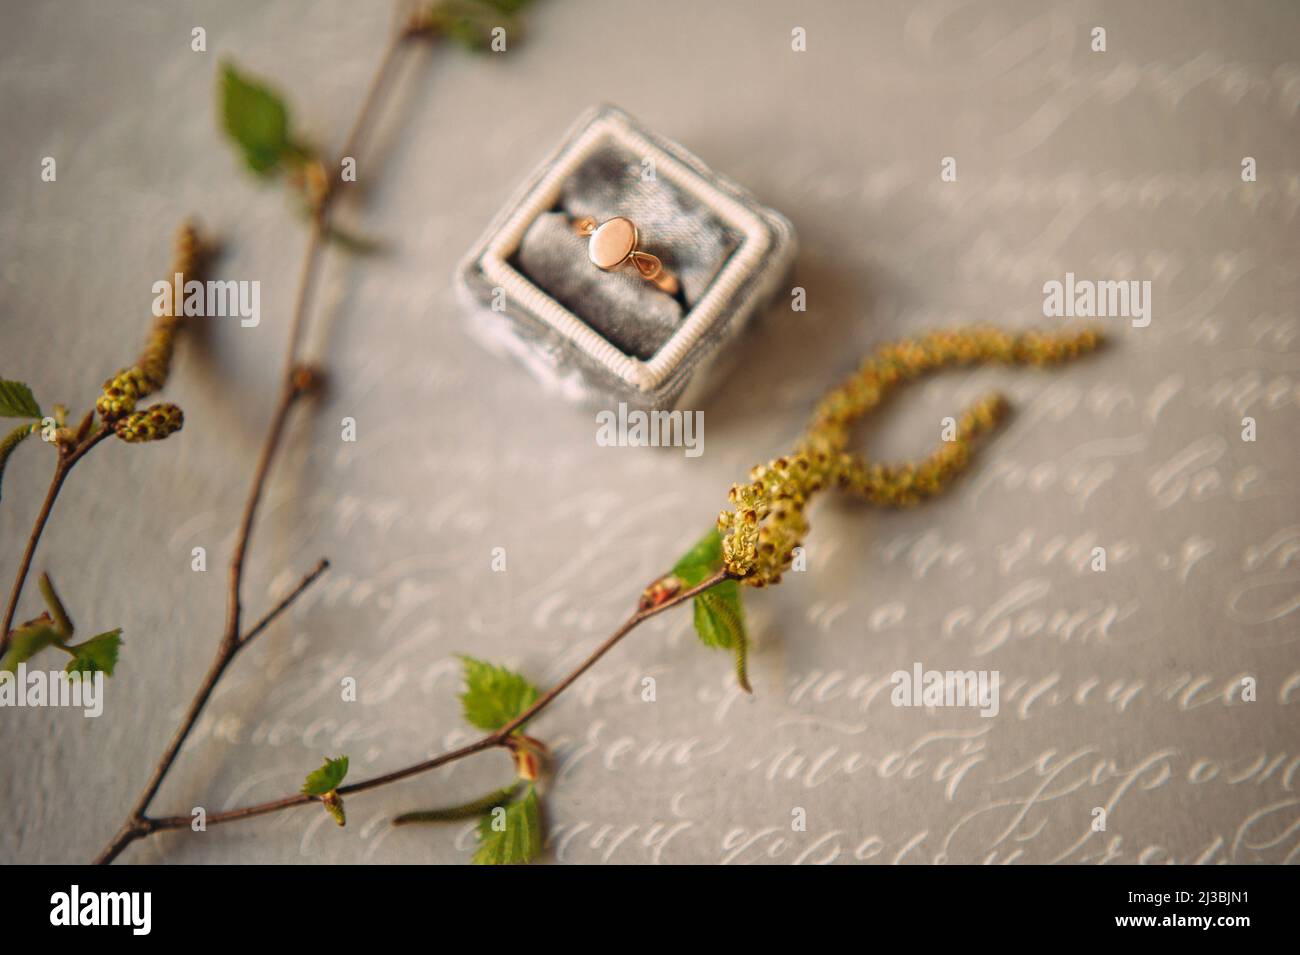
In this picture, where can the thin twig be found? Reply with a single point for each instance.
(67, 460)
(234, 604)
(51, 495)
(270, 616)
(137, 823)
(490, 741)
(307, 281)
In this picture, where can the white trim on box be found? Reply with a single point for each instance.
(644, 375)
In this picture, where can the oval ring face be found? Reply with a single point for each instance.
(612, 243)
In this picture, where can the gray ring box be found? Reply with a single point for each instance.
(599, 338)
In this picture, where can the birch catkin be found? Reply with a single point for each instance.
(768, 516)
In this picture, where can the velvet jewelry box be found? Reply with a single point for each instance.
(599, 337)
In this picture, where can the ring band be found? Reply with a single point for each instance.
(614, 244)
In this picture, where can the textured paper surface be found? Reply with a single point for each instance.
(1116, 686)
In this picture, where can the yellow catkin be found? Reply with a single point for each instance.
(149, 373)
(151, 424)
(768, 516)
(903, 485)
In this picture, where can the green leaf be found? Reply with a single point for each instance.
(701, 561)
(719, 613)
(30, 639)
(326, 779)
(494, 695)
(354, 242)
(471, 32)
(256, 118)
(720, 622)
(466, 810)
(511, 834)
(507, 6)
(719, 616)
(17, 401)
(14, 438)
(97, 653)
(470, 22)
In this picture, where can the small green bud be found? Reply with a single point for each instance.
(333, 804)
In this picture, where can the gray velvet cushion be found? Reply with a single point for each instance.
(628, 311)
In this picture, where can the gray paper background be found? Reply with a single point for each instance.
(1117, 686)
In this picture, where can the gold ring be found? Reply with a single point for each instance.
(614, 244)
